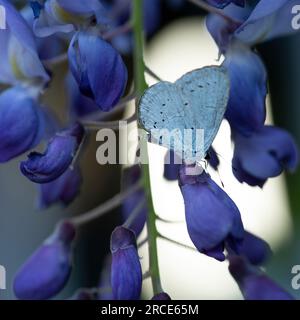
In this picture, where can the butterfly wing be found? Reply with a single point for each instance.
(161, 114)
(197, 100)
(206, 91)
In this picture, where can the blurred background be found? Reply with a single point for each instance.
(181, 44)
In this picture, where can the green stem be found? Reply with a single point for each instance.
(140, 87)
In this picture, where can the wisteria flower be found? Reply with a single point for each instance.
(253, 283)
(48, 166)
(212, 218)
(17, 135)
(18, 52)
(161, 296)
(223, 3)
(46, 272)
(62, 190)
(136, 201)
(64, 15)
(252, 25)
(126, 273)
(264, 154)
(254, 249)
(79, 105)
(98, 69)
(248, 89)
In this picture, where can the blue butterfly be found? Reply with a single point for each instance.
(185, 116)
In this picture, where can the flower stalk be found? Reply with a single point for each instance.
(140, 87)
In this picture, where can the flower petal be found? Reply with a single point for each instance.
(221, 29)
(161, 296)
(98, 69)
(223, 3)
(255, 249)
(212, 217)
(20, 123)
(263, 155)
(126, 272)
(172, 164)
(64, 189)
(79, 105)
(46, 167)
(18, 52)
(246, 107)
(131, 176)
(253, 284)
(46, 272)
(268, 20)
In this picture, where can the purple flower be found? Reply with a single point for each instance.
(105, 280)
(126, 272)
(172, 164)
(65, 15)
(48, 166)
(21, 123)
(248, 89)
(223, 3)
(79, 105)
(46, 272)
(252, 25)
(222, 30)
(254, 249)
(98, 69)
(18, 53)
(264, 154)
(64, 189)
(49, 47)
(213, 158)
(253, 284)
(161, 296)
(212, 218)
(268, 20)
(131, 175)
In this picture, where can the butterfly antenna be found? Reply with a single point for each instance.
(152, 74)
(226, 160)
(222, 183)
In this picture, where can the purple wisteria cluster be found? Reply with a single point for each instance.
(92, 35)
